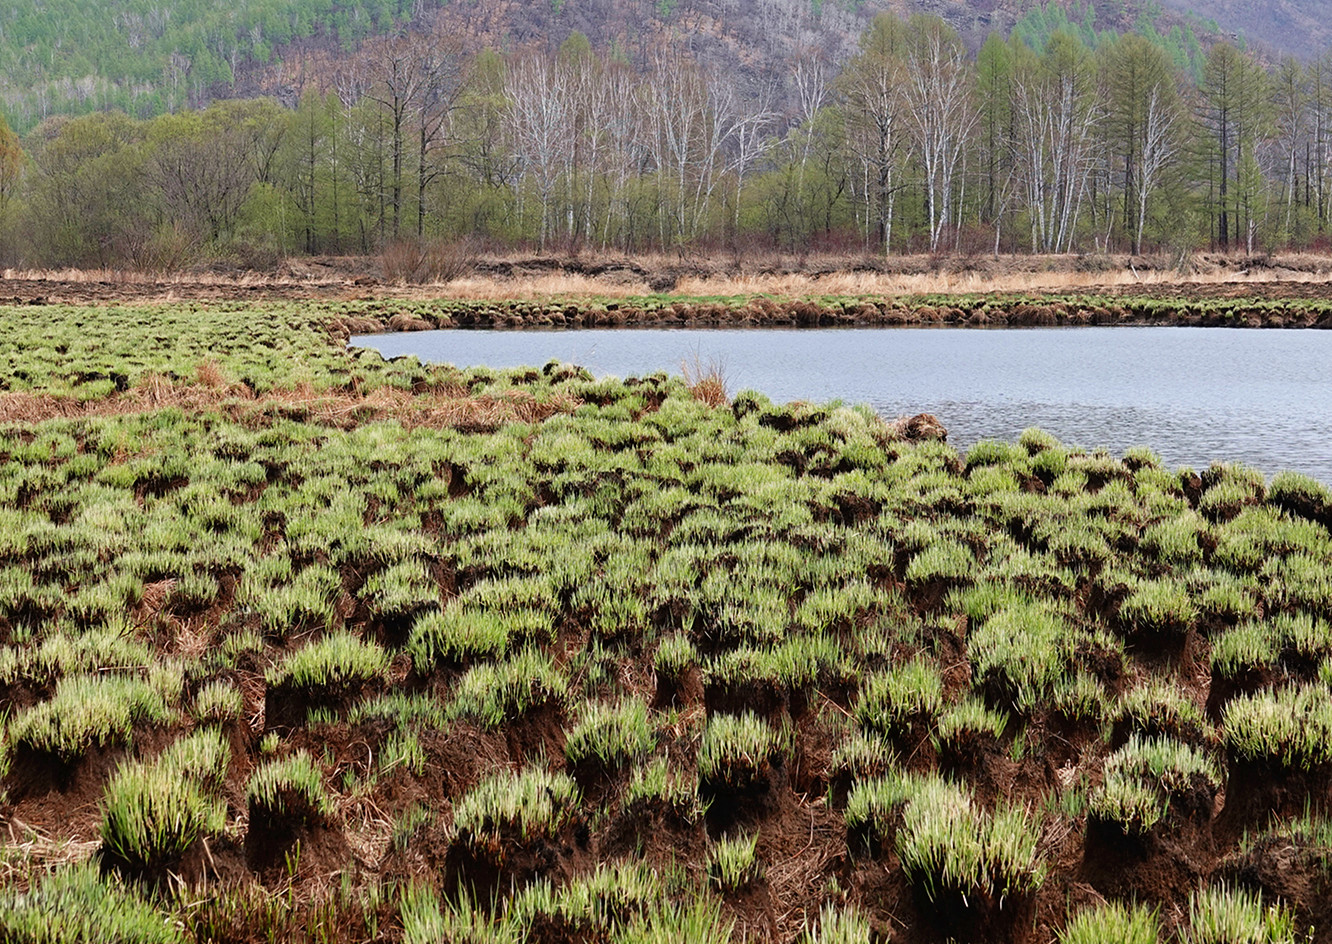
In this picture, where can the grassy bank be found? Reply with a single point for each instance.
(303, 645)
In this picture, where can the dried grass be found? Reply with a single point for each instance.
(706, 380)
(439, 410)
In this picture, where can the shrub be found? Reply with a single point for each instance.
(613, 735)
(1112, 923)
(736, 751)
(530, 803)
(75, 905)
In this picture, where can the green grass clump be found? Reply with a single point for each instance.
(1289, 727)
(675, 655)
(613, 735)
(1020, 654)
(1301, 495)
(494, 694)
(87, 711)
(337, 663)
(153, 814)
(969, 722)
(76, 905)
(698, 921)
(890, 701)
(839, 926)
(218, 702)
(860, 756)
(1222, 915)
(594, 903)
(201, 757)
(461, 636)
(1112, 923)
(1144, 775)
(737, 751)
(874, 805)
(1159, 707)
(530, 803)
(659, 783)
(948, 848)
(287, 789)
(733, 862)
(1162, 606)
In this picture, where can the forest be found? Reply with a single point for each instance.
(1047, 142)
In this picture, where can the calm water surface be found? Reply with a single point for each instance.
(1193, 395)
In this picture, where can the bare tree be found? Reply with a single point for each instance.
(941, 113)
(1057, 112)
(1160, 147)
(871, 87)
(540, 107)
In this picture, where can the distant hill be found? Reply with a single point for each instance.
(1302, 28)
(149, 56)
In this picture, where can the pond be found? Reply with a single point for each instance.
(1193, 395)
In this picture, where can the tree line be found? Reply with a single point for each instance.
(910, 145)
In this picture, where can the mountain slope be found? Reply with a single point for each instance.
(148, 56)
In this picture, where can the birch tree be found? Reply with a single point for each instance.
(1058, 110)
(871, 88)
(941, 113)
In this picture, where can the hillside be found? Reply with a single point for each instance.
(1298, 27)
(69, 56)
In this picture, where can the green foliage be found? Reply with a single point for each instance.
(891, 700)
(1143, 776)
(1290, 727)
(733, 862)
(153, 814)
(839, 926)
(1223, 915)
(86, 711)
(75, 905)
(530, 803)
(290, 787)
(494, 694)
(613, 735)
(1112, 923)
(737, 751)
(948, 847)
(333, 664)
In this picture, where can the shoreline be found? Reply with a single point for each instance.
(381, 317)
